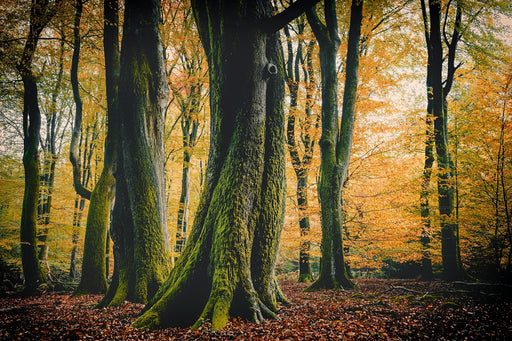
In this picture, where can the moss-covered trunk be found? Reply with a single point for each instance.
(94, 272)
(227, 266)
(336, 140)
(139, 228)
(28, 227)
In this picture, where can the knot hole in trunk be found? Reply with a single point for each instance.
(270, 70)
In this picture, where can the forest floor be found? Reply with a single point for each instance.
(376, 310)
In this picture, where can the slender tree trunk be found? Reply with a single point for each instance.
(336, 141)
(51, 155)
(301, 166)
(189, 128)
(40, 15)
(94, 272)
(452, 267)
(181, 233)
(426, 260)
(227, 265)
(73, 148)
(139, 228)
(77, 225)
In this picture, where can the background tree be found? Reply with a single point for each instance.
(426, 261)
(139, 217)
(86, 147)
(305, 125)
(51, 144)
(188, 80)
(485, 176)
(438, 92)
(41, 13)
(94, 272)
(336, 140)
(227, 265)
(73, 149)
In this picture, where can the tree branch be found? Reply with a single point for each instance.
(279, 20)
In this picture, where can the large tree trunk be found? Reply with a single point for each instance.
(94, 273)
(40, 14)
(227, 265)
(452, 267)
(139, 228)
(336, 141)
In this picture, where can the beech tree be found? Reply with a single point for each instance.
(300, 62)
(438, 90)
(51, 145)
(336, 140)
(138, 226)
(227, 265)
(41, 12)
(94, 272)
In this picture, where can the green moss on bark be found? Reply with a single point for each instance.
(93, 280)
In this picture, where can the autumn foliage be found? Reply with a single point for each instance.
(384, 190)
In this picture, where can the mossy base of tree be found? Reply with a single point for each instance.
(305, 278)
(343, 283)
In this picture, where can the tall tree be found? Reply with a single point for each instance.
(301, 62)
(426, 261)
(51, 145)
(336, 140)
(94, 273)
(227, 265)
(139, 226)
(438, 92)
(86, 146)
(41, 12)
(77, 126)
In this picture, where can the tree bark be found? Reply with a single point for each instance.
(73, 148)
(336, 141)
(227, 265)
(41, 13)
(452, 266)
(139, 228)
(77, 224)
(426, 260)
(94, 273)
